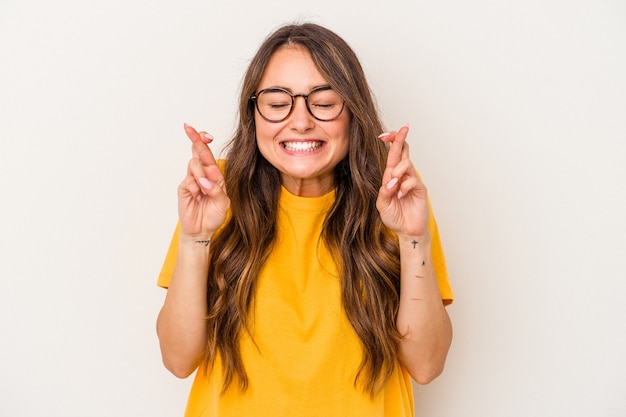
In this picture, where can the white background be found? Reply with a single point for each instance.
(518, 125)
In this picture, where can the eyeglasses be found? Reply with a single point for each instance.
(276, 104)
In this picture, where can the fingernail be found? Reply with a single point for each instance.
(400, 195)
(408, 125)
(383, 135)
(185, 125)
(205, 183)
(392, 183)
(208, 136)
(199, 198)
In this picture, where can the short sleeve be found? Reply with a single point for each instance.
(439, 260)
(170, 260)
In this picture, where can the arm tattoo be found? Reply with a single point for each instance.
(204, 242)
(415, 242)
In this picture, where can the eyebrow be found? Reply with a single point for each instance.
(272, 87)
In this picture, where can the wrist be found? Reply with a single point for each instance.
(195, 241)
(414, 240)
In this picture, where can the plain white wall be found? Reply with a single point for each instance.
(518, 115)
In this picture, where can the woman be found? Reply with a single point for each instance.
(306, 276)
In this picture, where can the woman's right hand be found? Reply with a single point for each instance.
(202, 199)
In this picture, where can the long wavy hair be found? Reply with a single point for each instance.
(366, 253)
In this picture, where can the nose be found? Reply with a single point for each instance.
(300, 118)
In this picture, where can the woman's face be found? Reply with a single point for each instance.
(305, 150)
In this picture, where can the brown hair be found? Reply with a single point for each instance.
(365, 251)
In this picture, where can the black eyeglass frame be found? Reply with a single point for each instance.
(255, 97)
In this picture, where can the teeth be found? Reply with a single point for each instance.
(302, 146)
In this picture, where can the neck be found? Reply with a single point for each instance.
(308, 188)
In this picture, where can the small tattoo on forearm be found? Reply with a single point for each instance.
(204, 242)
(415, 242)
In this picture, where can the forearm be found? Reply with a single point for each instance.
(181, 325)
(422, 317)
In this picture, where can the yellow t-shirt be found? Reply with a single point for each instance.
(304, 355)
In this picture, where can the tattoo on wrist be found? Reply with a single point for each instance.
(414, 243)
(204, 242)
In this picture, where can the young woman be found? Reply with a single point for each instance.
(306, 276)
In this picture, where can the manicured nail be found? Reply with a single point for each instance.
(408, 125)
(383, 135)
(392, 183)
(199, 198)
(205, 183)
(400, 195)
(208, 136)
(185, 125)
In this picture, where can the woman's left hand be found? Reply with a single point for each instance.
(402, 199)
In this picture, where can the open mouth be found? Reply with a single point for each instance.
(306, 146)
